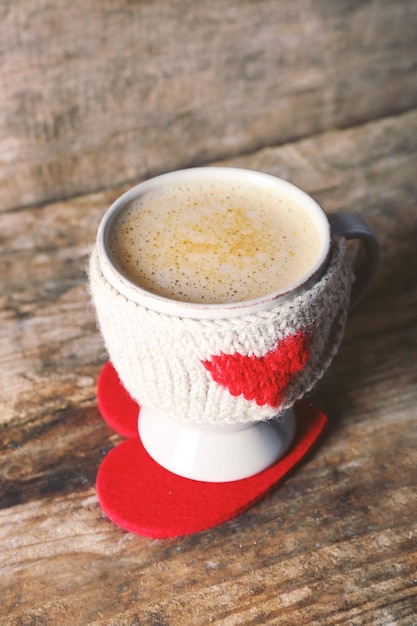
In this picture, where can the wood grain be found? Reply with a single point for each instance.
(93, 94)
(335, 544)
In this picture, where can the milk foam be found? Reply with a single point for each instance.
(214, 242)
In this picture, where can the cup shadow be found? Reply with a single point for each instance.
(377, 348)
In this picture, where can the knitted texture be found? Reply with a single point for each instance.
(234, 370)
(263, 379)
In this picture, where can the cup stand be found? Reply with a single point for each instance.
(142, 496)
(214, 453)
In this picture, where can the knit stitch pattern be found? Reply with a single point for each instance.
(263, 379)
(235, 370)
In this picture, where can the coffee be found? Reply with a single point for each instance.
(214, 241)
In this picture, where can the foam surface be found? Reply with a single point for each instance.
(214, 242)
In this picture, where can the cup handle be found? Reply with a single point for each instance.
(366, 261)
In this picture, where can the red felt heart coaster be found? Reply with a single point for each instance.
(142, 497)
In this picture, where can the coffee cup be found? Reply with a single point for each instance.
(222, 296)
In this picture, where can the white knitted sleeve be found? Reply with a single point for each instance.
(229, 370)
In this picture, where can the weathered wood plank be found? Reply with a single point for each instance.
(94, 94)
(336, 544)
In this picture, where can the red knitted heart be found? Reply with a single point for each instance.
(263, 379)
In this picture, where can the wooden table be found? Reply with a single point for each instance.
(335, 544)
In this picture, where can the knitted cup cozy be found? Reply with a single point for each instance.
(235, 370)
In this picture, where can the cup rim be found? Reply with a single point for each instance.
(178, 308)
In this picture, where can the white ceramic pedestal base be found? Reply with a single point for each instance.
(215, 453)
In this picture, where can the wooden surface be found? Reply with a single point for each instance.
(335, 544)
(94, 94)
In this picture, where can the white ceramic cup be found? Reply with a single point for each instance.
(202, 447)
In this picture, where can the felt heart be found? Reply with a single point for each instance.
(263, 379)
(142, 497)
